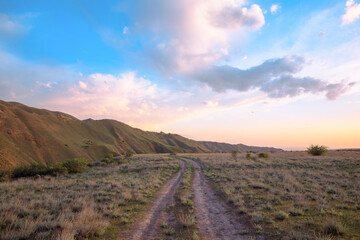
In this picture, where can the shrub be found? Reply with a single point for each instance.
(29, 171)
(233, 154)
(280, 215)
(57, 170)
(317, 150)
(248, 156)
(129, 154)
(263, 155)
(334, 228)
(75, 165)
(4, 175)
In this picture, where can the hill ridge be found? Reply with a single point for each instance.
(31, 135)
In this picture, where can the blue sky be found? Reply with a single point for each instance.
(191, 66)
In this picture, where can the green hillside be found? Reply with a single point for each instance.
(30, 135)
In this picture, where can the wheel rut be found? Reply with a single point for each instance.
(215, 219)
(146, 228)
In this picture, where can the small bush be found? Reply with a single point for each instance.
(248, 156)
(29, 171)
(263, 155)
(234, 154)
(334, 228)
(280, 215)
(75, 165)
(129, 154)
(317, 150)
(57, 170)
(4, 175)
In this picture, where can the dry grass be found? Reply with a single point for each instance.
(81, 206)
(292, 194)
(183, 210)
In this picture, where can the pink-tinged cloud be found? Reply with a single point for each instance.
(352, 12)
(193, 33)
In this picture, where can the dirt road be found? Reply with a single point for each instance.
(146, 229)
(215, 220)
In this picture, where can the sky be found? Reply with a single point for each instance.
(265, 73)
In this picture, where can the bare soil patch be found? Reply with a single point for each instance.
(215, 219)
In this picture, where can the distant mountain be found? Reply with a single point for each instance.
(226, 147)
(30, 135)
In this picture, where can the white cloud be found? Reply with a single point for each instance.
(125, 30)
(274, 8)
(185, 38)
(9, 26)
(47, 84)
(235, 17)
(352, 12)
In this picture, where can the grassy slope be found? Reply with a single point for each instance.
(31, 135)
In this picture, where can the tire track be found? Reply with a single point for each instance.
(215, 219)
(146, 229)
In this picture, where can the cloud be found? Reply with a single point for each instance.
(235, 17)
(274, 8)
(188, 34)
(125, 30)
(274, 77)
(352, 12)
(9, 26)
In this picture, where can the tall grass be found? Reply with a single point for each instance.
(80, 206)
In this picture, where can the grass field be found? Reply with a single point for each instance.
(291, 195)
(184, 226)
(97, 204)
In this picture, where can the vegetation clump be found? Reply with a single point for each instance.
(75, 165)
(334, 228)
(263, 155)
(129, 154)
(317, 150)
(234, 154)
(280, 215)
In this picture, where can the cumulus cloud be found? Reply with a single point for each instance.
(352, 12)
(274, 8)
(188, 34)
(126, 97)
(235, 17)
(275, 77)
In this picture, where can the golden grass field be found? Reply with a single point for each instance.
(291, 195)
(101, 202)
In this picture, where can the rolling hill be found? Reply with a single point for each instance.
(30, 135)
